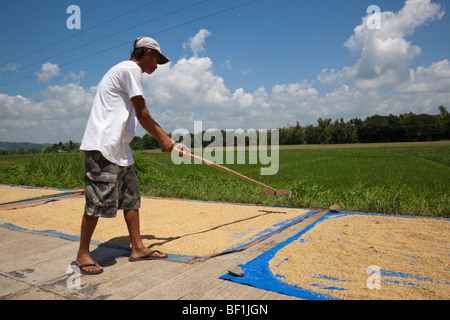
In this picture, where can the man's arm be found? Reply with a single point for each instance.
(150, 125)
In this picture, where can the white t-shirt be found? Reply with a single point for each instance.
(112, 122)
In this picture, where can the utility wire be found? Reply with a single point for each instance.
(78, 33)
(105, 37)
(127, 43)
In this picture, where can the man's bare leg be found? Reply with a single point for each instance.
(88, 224)
(138, 249)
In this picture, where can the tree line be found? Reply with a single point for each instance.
(407, 127)
(42, 148)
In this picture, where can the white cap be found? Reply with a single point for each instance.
(146, 42)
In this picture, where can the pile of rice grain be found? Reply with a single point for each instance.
(14, 194)
(190, 228)
(332, 258)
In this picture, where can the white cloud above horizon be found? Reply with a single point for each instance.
(60, 116)
(385, 55)
(48, 71)
(381, 81)
(197, 43)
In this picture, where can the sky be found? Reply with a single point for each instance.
(235, 64)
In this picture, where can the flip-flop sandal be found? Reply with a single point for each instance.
(148, 256)
(81, 266)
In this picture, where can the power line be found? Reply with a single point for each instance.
(81, 32)
(105, 37)
(127, 43)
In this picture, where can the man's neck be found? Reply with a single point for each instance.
(137, 62)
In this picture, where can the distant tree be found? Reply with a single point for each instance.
(377, 128)
(312, 134)
(420, 127)
(291, 134)
(445, 122)
(357, 126)
(341, 132)
(149, 142)
(136, 143)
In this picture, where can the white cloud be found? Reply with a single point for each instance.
(60, 116)
(381, 81)
(197, 42)
(292, 92)
(247, 71)
(186, 83)
(48, 71)
(385, 54)
(242, 98)
(414, 14)
(12, 66)
(178, 93)
(228, 65)
(434, 79)
(75, 76)
(16, 107)
(328, 76)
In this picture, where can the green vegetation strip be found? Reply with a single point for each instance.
(404, 179)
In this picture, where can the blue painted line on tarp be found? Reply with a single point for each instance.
(257, 272)
(182, 258)
(36, 188)
(54, 233)
(271, 231)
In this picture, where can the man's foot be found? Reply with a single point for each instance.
(87, 265)
(150, 255)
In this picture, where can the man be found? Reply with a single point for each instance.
(109, 172)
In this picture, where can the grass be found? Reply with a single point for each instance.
(406, 179)
(47, 170)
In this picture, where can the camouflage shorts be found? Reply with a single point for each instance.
(109, 187)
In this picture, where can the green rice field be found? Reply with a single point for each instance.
(392, 178)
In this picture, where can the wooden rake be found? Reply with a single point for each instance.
(268, 191)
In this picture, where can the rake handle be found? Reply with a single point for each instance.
(225, 169)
